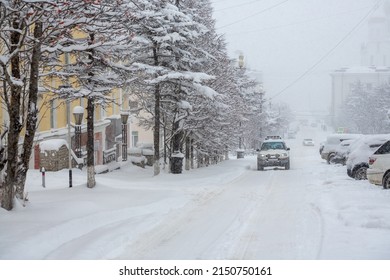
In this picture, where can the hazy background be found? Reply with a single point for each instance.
(282, 39)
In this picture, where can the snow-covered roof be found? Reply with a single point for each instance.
(52, 144)
(361, 69)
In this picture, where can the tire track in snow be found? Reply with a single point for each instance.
(285, 225)
(240, 249)
(201, 227)
(59, 235)
(321, 229)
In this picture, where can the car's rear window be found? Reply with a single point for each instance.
(384, 149)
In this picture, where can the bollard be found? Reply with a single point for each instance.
(43, 177)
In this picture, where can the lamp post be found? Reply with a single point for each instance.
(69, 143)
(65, 88)
(124, 118)
(78, 113)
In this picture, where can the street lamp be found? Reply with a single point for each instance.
(241, 61)
(64, 89)
(78, 113)
(124, 118)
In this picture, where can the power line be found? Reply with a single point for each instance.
(240, 5)
(376, 5)
(296, 23)
(262, 11)
(212, 2)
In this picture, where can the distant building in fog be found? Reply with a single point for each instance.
(375, 62)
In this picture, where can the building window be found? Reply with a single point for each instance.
(371, 60)
(82, 102)
(67, 59)
(52, 114)
(113, 102)
(67, 113)
(134, 138)
(121, 99)
(369, 86)
(103, 114)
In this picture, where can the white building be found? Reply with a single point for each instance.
(375, 62)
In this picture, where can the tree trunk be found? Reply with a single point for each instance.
(165, 143)
(176, 163)
(188, 153)
(226, 152)
(192, 154)
(32, 114)
(7, 200)
(175, 137)
(90, 144)
(156, 132)
(91, 182)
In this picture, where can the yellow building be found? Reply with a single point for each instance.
(56, 116)
(54, 119)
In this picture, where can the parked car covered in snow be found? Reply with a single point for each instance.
(332, 143)
(378, 172)
(360, 151)
(341, 152)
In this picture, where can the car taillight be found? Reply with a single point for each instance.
(371, 160)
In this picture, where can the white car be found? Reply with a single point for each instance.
(378, 172)
(308, 142)
(360, 152)
(273, 152)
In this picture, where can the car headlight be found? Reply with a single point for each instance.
(262, 156)
(284, 155)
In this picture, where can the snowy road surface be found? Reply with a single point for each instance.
(225, 211)
(268, 218)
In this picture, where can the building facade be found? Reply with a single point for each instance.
(375, 62)
(56, 116)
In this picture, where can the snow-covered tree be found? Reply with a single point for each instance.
(218, 125)
(97, 43)
(25, 28)
(365, 110)
(33, 34)
(174, 62)
(256, 118)
(165, 60)
(278, 117)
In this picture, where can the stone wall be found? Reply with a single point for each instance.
(54, 160)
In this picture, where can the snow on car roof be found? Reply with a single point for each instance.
(273, 140)
(273, 137)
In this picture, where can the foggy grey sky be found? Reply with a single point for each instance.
(284, 38)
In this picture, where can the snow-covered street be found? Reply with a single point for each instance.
(225, 211)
